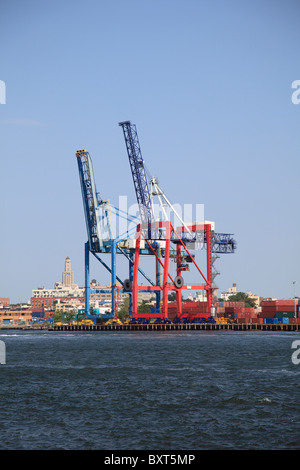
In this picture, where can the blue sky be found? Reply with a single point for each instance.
(208, 84)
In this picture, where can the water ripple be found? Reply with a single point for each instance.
(144, 391)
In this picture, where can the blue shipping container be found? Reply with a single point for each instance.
(284, 320)
(38, 314)
(271, 321)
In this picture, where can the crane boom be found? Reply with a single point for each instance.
(138, 174)
(222, 243)
(90, 202)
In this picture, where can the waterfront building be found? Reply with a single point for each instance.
(15, 317)
(256, 298)
(68, 275)
(65, 292)
(231, 291)
(4, 302)
(67, 295)
(105, 295)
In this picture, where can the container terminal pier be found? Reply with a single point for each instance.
(180, 250)
(181, 327)
(155, 236)
(152, 234)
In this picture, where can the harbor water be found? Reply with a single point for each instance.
(178, 390)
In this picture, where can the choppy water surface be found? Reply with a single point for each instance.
(149, 390)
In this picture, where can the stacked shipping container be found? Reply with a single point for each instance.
(280, 309)
(190, 309)
(236, 311)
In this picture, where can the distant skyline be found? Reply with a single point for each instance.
(209, 86)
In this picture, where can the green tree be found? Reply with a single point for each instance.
(57, 316)
(144, 307)
(172, 297)
(68, 316)
(242, 297)
(123, 311)
(65, 317)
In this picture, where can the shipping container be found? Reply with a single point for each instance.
(268, 303)
(279, 303)
(266, 315)
(285, 308)
(230, 315)
(271, 308)
(290, 302)
(249, 310)
(233, 304)
(285, 315)
(271, 320)
(241, 320)
(283, 320)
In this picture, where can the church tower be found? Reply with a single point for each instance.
(67, 275)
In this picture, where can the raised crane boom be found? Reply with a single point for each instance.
(221, 242)
(138, 174)
(90, 201)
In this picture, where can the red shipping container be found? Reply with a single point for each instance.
(246, 320)
(272, 303)
(285, 308)
(268, 303)
(249, 309)
(241, 314)
(266, 315)
(286, 302)
(269, 309)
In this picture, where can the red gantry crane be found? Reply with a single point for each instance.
(161, 233)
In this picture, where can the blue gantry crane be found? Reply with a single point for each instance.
(138, 174)
(98, 213)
